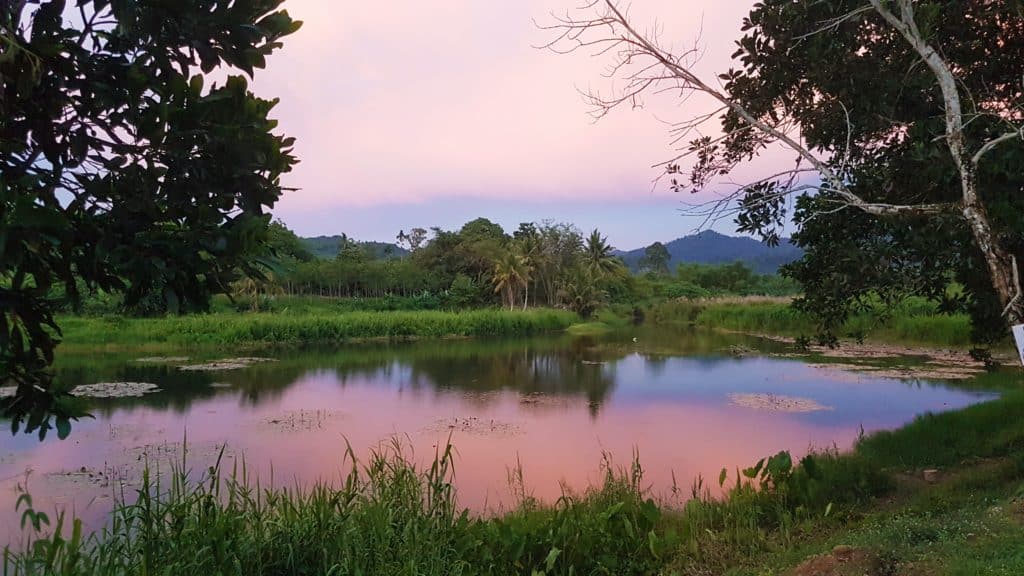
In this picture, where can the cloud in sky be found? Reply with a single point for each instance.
(406, 102)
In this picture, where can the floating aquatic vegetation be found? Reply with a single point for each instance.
(114, 389)
(475, 426)
(162, 359)
(777, 403)
(101, 477)
(740, 351)
(929, 371)
(226, 364)
(302, 420)
(101, 390)
(539, 399)
(926, 373)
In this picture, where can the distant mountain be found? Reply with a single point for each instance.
(710, 247)
(327, 247)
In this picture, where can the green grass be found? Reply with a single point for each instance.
(988, 430)
(323, 304)
(247, 329)
(388, 517)
(912, 323)
(589, 329)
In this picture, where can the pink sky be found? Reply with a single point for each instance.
(409, 105)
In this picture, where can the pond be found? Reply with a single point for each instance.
(687, 402)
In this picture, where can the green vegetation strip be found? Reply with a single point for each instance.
(870, 507)
(915, 322)
(236, 329)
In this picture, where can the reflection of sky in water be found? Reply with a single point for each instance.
(674, 410)
(856, 397)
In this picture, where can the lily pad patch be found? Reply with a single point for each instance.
(114, 390)
(777, 403)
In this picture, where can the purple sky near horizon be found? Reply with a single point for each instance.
(411, 113)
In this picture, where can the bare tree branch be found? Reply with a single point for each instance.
(988, 146)
(648, 67)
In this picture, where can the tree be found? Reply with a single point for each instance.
(905, 122)
(285, 245)
(256, 289)
(655, 259)
(352, 252)
(581, 293)
(526, 241)
(598, 258)
(560, 247)
(413, 240)
(463, 292)
(281, 253)
(121, 170)
(511, 273)
(483, 230)
(480, 243)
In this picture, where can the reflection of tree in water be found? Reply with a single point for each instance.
(558, 372)
(655, 364)
(551, 366)
(565, 370)
(178, 389)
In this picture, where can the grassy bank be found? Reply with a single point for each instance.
(300, 326)
(389, 518)
(914, 322)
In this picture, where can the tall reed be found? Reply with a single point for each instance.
(389, 517)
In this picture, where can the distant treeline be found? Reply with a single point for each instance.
(539, 264)
(548, 264)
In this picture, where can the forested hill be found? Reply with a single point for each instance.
(327, 247)
(710, 247)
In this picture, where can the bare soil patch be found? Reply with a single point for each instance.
(847, 561)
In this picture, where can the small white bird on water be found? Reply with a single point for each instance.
(634, 339)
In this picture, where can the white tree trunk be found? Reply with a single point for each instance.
(1002, 265)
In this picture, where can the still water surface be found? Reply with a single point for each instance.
(554, 405)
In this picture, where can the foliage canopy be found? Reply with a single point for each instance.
(878, 113)
(121, 168)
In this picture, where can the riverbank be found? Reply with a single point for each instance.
(303, 326)
(942, 495)
(310, 320)
(915, 322)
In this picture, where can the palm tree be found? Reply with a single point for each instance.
(254, 289)
(598, 258)
(529, 249)
(511, 272)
